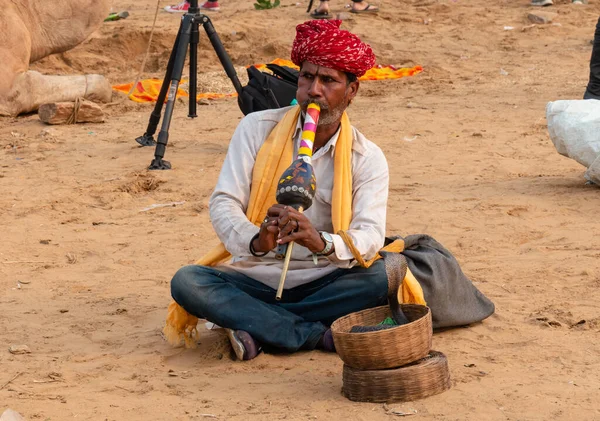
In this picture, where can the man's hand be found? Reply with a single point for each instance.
(267, 236)
(295, 226)
(284, 224)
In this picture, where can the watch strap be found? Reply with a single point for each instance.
(328, 246)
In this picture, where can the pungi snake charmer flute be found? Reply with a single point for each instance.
(297, 185)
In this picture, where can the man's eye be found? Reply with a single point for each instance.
(327, 80)
(306, 76)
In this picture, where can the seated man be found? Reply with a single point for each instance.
(323, 282)
(593, 88)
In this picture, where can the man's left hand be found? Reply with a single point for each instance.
(295, 226)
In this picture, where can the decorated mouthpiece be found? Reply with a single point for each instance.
(308, 130)
(297, 185)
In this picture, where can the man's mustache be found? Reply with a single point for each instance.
(315, 101)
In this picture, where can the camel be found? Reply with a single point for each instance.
(33, 29)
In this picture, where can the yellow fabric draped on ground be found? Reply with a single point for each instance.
(273, 158)
(147, 90)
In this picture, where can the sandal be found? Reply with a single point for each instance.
(244, 345)
(368, 9)
(315, 14)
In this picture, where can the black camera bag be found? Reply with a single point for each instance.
(266, 91)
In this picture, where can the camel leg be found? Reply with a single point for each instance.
(15, 52)
(31, 89)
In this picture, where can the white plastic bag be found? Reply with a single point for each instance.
(574, 127)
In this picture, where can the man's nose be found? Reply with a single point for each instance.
(316, 88)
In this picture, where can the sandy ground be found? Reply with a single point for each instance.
(85, 270)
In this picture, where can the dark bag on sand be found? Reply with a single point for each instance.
(266, 91)
(451, 296)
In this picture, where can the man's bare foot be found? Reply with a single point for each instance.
(364, 7)
(323, 8)
(321, 12)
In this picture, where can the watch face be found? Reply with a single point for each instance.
(327, 237)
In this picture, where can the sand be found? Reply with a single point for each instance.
(85, 270)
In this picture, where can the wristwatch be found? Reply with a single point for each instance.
(328, 240)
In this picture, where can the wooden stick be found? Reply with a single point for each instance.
(8, 382)
(286, 263)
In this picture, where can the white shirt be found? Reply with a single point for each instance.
(229, 201)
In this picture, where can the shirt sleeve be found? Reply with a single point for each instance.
(369, 209)
(229, 201)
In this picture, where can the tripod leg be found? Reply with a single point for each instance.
(178, 63)
(593, 88)
(147, 139)
(221, 53)
(194, 39)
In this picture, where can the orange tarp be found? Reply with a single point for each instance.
(375, 73)
(147, 90)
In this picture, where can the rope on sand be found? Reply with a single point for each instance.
(72, 119)
(137, 79)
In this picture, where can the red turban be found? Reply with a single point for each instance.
(323, 43)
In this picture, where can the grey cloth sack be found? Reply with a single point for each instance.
(451, 296)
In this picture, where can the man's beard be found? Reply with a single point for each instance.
(328, 115)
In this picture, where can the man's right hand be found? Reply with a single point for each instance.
(269, 230)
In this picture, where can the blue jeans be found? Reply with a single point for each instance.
(233, 300)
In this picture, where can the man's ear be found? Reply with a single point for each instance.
(353, 90)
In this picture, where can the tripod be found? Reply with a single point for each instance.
(188, 35)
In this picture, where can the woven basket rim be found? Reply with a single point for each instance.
(425, 361)
(405, 326)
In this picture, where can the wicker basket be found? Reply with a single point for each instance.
(426, 377)
(388, 348)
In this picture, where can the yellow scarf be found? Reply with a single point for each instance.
(273, 158)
